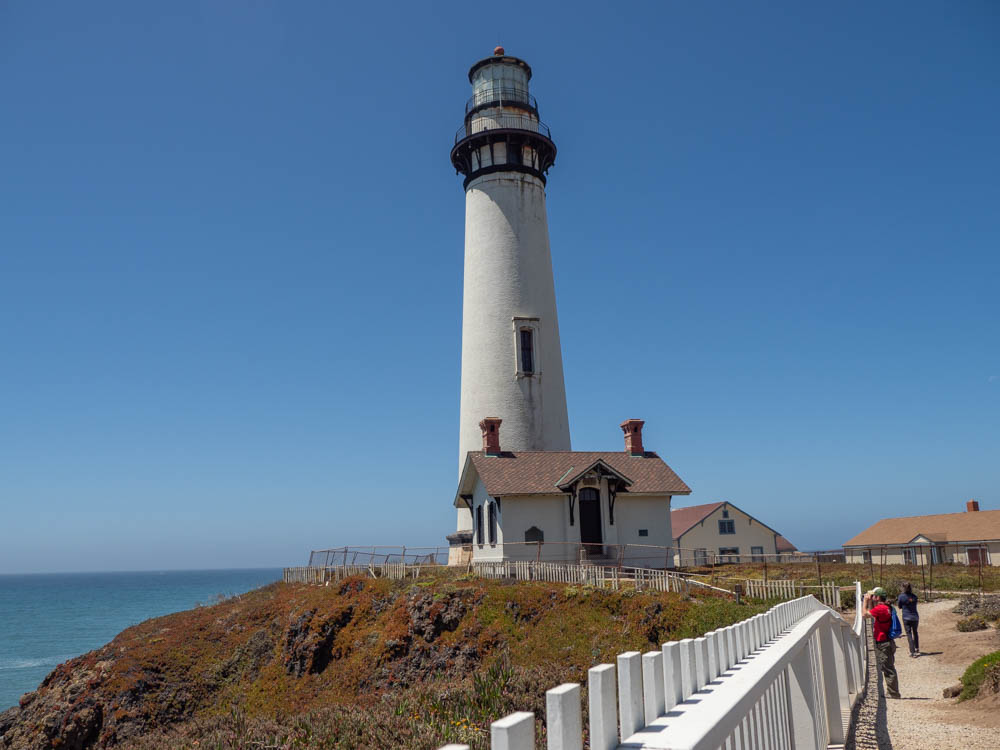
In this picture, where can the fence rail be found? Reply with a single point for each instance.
(602, 576)
(828, 593)
(636, 555)
(787, 678)
(314, 575)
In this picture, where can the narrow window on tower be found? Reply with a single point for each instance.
(526, 345)
(527, 351)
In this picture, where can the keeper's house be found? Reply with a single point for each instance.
(964, 538)
(721, 532)
(566, 506)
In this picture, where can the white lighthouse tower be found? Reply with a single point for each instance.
(511, 356)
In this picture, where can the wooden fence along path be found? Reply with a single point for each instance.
(323, 575)
(785, 679)
(602, 576)
(828, 593)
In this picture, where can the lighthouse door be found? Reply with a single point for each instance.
(590, 521)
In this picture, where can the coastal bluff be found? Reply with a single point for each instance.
(361, 662)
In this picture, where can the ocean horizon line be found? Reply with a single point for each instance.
(146, 570)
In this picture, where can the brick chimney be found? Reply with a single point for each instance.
(633, 436)
(971, 506)
(491, 435)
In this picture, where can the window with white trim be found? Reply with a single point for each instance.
(526, 347)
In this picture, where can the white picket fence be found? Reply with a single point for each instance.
(783, 680)
(590, 575)
(828, 593)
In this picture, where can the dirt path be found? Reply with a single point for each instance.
(922, 719)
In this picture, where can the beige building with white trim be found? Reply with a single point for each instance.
(723, 533)
(964, 538)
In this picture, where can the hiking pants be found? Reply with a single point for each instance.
(910, 626)
(885, 655)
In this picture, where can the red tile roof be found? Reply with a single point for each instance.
(540, 472)
(682, 519)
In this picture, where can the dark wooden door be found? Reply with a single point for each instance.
(590, 520)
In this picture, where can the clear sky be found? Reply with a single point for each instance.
(231, 263)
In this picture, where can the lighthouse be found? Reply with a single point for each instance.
(511, 356)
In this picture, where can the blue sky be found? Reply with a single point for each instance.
(231, 264)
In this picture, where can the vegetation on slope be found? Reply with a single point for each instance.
(361, 663)
(983, 675)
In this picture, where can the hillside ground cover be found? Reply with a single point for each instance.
(357, 664)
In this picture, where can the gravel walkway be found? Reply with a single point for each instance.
(923, 719)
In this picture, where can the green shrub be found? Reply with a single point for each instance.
(970, 623)
(982, 669)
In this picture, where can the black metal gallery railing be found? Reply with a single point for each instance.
(500, 95)
(502, 122)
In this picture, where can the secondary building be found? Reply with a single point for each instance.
(566, 506)
(721, 532)
(968, 538)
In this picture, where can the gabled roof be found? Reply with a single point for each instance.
(541, 472)
(783, 545)
(682, 519)
(971, 526)
(600, 466)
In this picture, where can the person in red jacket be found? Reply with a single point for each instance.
(885, 647)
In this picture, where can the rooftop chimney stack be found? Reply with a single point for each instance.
(491, 435)
(633, 436)
(972, 506)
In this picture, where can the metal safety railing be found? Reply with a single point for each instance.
(504, 121)
(500, 95)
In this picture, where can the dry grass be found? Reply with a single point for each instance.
(362, 663)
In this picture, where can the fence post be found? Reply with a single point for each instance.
(630, 702)
(835, 680)
(653, 699)
(603, 712)
(712, 638)
(514, 732)
(563, 717)
(673, 688)
(802, 708)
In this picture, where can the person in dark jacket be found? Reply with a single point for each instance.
(908, 607)
(878, 611)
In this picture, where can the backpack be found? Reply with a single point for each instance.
(896, 628)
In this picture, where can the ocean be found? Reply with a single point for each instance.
(46, 619)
